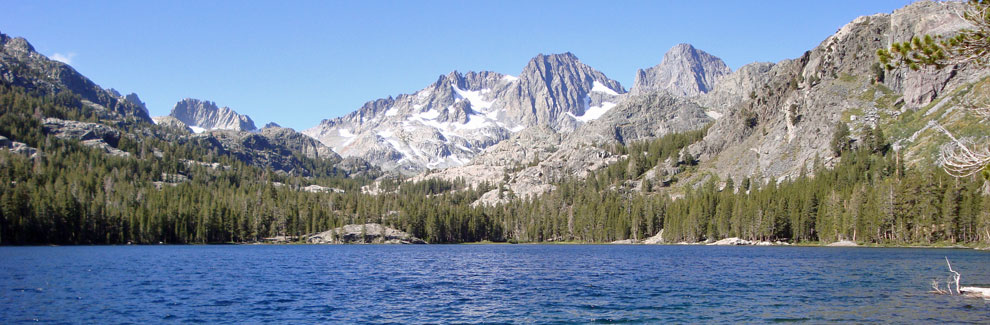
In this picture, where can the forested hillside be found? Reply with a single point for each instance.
(75, 194)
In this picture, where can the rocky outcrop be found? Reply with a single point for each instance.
(843, 243)
(732, 241)
(276, 149)
(685, 71)
(298, 142)
(17, 147)
(134, 99)
(105, 147)
(21, 65)
(205, 115)
(81, 131)
(792, 109)
(171, 122)
(735, 88)
(369, 233)
(656, 239)
(321, 189)
(88, 134)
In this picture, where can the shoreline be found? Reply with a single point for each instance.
(801, 244)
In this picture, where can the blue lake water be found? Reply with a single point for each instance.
(484, 283)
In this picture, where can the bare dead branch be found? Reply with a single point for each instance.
(963, 157)
(935, 288)
(956, 276)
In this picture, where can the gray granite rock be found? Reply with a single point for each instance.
(171, 122)
(370, 233)
(207, 116)
(685, 71)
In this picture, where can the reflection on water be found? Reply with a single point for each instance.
(493, 283)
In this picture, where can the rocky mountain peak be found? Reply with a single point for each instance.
(470, 81)
(557, 90)
(18, 44)
(134, 99)
(21, 66)
(685, 71)
(546, 68)
(541, 60)
(203, 115)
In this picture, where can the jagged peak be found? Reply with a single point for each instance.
(18, 43)
(683, 47)
(544, 60)
(207, 115)
(566, 56)
(683, 71)
(684, 51)
(549, 66)
(470, 80)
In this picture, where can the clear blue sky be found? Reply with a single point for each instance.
(297, 62)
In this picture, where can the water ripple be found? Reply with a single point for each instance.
(482, 284)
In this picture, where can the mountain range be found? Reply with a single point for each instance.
(557, 117)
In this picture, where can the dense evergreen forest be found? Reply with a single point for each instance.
(74, 194)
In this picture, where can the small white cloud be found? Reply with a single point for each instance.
(64, 58)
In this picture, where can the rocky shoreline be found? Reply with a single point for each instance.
(373, 233)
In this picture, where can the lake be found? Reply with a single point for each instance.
(484, 283)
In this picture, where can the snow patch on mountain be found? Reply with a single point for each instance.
(599, 87)
(593, 112)
(475, 97)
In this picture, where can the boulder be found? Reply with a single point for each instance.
(732, 241)
(843, 243)
(657, 239)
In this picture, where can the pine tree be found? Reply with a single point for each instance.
(840, 139)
